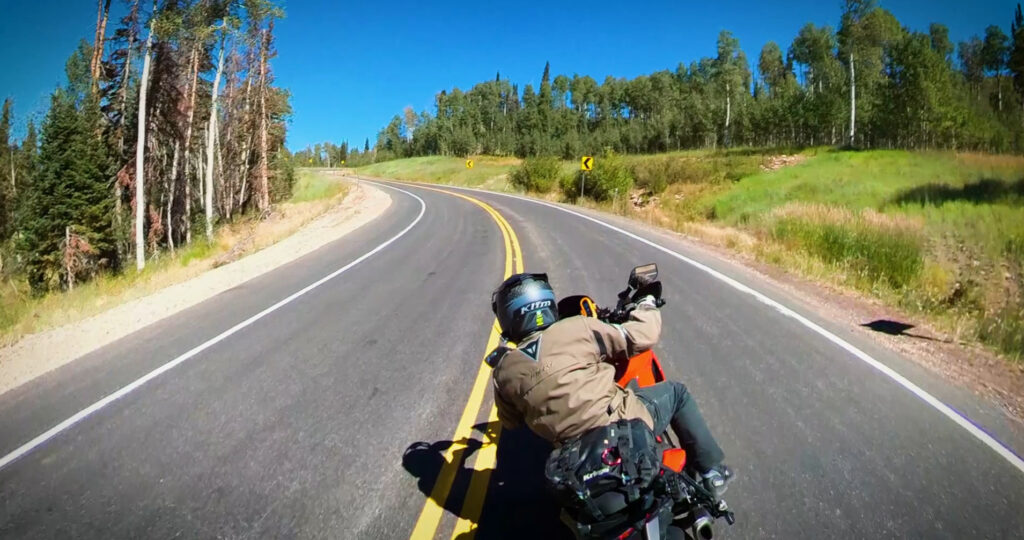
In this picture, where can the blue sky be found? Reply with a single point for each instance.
(351, 66)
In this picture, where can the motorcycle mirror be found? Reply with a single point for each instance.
(642, 275)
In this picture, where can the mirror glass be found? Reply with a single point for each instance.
(643, 274)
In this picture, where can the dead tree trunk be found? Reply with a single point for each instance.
(170, 198)
(96, 65)
(140, 160)
(122, 106)
(263, 193)
(728, 112)
(853, 104)
(243, 171)
(212, 129)
(67, 259)
(188, 142)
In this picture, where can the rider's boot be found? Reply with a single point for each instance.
(716, 480)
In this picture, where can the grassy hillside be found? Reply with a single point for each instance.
(937, 233)
(941, 233)
(488, 172)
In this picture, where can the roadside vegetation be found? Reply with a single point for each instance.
(132, 167)
(933, 232)
(940, 234)
(23, 313)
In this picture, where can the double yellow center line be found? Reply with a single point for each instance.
(486, 457)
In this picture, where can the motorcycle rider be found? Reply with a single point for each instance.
(559, 381)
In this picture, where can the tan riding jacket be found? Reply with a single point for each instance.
(570, 387)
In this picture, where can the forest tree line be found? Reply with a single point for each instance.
(870, 84)
(88, 191)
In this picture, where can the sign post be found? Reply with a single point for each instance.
(586, 165)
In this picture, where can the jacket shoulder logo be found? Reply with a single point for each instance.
(532, 349)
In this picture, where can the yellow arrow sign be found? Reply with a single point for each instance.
(469, 163)
(587, 163)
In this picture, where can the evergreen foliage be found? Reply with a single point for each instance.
(911, 90)
(67, 201)
(69, 195)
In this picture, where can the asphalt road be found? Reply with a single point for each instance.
(327, 416)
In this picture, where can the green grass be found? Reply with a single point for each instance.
(870, 255)
(487, 172)
(313, 185)
(856, 180)
(946, 236)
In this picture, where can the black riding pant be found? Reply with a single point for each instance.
(671, 404)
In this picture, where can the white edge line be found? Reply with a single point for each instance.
(948, 411)
(84, 413)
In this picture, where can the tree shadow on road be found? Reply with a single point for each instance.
(517, 503)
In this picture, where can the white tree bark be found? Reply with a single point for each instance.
(140, 160)
(728, 112)
(188, 143)
(853, 104)
(212, 125)
(67, 259)
(170, 198)
(263, 194)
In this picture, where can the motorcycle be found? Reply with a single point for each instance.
(676, 504)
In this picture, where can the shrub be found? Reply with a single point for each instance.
(611, 175)
(537, 174)
(652, 174)
(656, 173)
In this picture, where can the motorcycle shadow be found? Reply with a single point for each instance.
(517, 503)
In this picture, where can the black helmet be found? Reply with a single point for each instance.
(524, 303)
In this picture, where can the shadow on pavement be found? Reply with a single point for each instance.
(895, 328)
(517, 504)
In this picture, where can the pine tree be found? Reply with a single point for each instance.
(994, 56)
(67, 195)
(1016, 60)
(7, 173)
(25, 170)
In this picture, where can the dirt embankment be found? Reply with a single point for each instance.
(39, 353)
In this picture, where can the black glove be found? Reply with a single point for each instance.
(651, 289)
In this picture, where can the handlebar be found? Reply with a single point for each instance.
(620, 315)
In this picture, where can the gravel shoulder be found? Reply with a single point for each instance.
(42, 352)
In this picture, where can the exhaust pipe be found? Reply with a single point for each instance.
(702, 522)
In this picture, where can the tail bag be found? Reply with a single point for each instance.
(604, 470)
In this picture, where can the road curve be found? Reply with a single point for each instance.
(327, 416)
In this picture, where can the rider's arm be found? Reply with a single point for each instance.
(508, 415)
(643, 327)
(638, 334)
